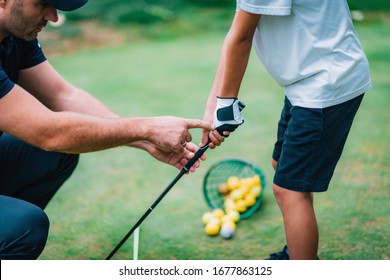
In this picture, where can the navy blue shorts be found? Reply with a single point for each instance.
(309, 144)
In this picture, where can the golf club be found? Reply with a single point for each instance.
(184, 170)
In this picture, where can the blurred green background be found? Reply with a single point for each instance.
(104, 21)
(147, 58)
(151, 11)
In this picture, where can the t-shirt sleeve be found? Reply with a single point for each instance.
(26, 54)
(265, 7)
(32, 54)
(5, 83)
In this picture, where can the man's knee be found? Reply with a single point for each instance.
(68, 164)
(26, 234)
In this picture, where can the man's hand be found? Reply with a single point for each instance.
(178, 160)
(171, 133)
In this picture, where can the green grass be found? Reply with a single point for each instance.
(110, 190)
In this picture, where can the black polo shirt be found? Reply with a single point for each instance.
(15, 55)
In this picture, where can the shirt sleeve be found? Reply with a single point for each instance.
(5, 83)
(265, 7)
(24, 54)
(32, 54)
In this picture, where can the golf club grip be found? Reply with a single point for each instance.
(200, 152)
(197, 155)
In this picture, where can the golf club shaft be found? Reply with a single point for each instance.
(184, 170)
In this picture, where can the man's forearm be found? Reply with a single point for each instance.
(79, 133)
(80, 101)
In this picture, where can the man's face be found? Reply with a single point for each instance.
(26, 18)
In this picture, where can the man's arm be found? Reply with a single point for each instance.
(52, 90)
(48, 112)
(23, 116)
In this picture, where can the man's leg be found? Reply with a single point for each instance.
(24, 229)
(31, 174)
(29, 178)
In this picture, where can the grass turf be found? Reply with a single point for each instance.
(110, 190)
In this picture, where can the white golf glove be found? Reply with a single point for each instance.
(228, 115)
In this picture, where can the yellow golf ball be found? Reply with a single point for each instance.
(212, 229)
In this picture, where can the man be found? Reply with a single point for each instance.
(45, 122)
(311, 49)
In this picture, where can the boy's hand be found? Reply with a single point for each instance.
(228, 115)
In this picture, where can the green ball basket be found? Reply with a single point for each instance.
(220, 172)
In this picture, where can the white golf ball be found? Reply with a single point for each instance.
(226, 232)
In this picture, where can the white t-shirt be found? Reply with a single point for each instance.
(311, 49)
